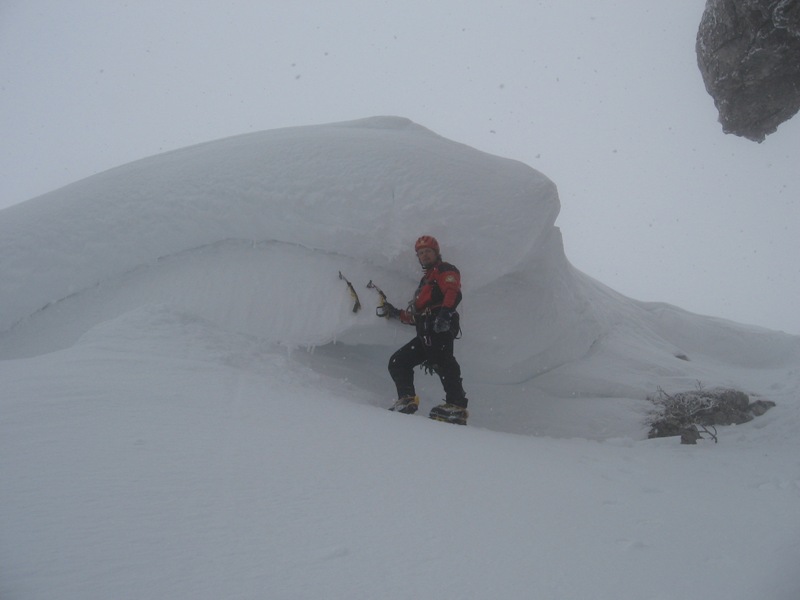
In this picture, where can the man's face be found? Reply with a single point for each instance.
(426, 256)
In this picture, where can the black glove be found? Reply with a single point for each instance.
(388, 311)
(442, 321)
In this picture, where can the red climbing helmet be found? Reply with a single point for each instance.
(427, 241)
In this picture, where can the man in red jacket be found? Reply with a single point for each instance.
(433, 313)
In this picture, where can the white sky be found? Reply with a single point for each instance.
(602, 96)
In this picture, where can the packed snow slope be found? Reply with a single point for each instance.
(160, 457)
(249, 233)
(192, 411)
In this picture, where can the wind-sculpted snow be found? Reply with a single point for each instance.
(249, 234)
(157, 435)
(363, 190)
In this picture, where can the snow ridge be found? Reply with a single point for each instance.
(249, 233)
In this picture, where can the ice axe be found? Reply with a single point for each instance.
(356, 301)
(381, 309)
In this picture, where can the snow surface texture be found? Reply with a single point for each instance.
(191, 409)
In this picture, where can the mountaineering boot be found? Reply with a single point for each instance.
(450, 413)
(407, 405)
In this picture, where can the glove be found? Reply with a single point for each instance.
(442, 321)
(388, 311)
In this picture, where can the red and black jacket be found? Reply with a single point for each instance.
(439, 288)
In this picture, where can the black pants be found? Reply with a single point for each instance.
(435, 349)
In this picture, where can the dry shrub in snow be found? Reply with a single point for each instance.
(694, 414)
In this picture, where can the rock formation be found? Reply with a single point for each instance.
(748, 52)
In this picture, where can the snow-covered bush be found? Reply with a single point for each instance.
(694, 414)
